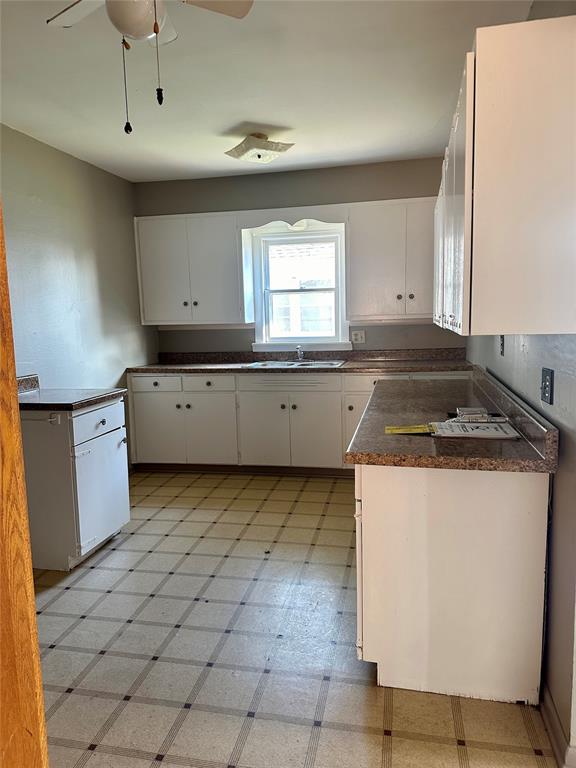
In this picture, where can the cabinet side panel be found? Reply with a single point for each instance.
(453, 579)
(524, 234)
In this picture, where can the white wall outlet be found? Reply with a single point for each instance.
(358, 337)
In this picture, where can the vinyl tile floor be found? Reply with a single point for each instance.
(218, 630)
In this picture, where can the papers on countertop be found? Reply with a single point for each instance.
(486, 430)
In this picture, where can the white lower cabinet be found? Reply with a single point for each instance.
(264, 428)
(316, 429)
(76, 480)
(353, 406)
(159, 434)
(210, 427)
(184, 427)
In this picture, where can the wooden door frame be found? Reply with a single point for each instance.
(22, 723)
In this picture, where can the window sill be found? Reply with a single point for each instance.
(311, 347)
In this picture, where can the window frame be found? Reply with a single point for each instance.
(277, 232)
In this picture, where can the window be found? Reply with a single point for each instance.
(298, 284)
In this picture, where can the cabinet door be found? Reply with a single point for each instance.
(353, 408)
(215, 269)
(420, 258)
(211, 428)
(376, 259)
(163, 270)
(316, 429)
(264, 428)
(159, 427)
(101, 467)
(462, 206)
(439, 218)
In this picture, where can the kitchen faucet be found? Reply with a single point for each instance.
(300, 352)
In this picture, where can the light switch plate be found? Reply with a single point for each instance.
(358, 337)
(547, 386)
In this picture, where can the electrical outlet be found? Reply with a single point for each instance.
(502, 345)
(358, 337)
(547, 386)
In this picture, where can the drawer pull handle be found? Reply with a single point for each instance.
(178, 406)
(103, 422)
(294, 407)
(154, 383)
(350, 407)
(188, 405)
(208, 383)
(283, 406)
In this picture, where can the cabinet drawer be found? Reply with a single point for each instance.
(363, 382)
(290, 382)
(206, 383)
(156, 383)
(98, 422)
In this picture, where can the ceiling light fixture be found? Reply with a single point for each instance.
(256, 148)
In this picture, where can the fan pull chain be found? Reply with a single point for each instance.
(125, 47)
(159, 89)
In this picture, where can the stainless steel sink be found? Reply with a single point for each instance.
(296, 364)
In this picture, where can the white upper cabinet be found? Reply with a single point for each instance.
(509, 231)
(164, 270)
(190, 270)
(215, 274)
(391, 260)
(420, 258)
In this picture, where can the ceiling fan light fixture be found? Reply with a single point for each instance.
(136, 18)
(257, 148)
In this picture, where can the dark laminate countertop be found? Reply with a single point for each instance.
(66, 399)
(350, 366)
(419, 402)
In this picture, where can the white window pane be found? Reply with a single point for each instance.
(301, 315)
(301, 264)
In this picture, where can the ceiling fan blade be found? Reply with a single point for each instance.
(74, 13)
(167, 34)
(235, 8)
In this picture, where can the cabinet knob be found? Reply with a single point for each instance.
(185, 303)
(188, 406)
(103, 422)
(283, 406)
(194, 303)
(124, 440)
(208, 383)
(154, 383)
(350, 407)
(399, 296)
(294, 407)
(178, 406)
(410, 295)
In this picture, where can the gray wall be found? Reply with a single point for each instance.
(355, 183)
(520, 368)
(321, 186)
(71, 267)
(377, 337)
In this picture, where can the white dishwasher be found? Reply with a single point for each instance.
(76, 465)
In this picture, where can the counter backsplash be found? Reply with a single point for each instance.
(183, 358)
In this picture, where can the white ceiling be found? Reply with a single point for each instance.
(348, 81)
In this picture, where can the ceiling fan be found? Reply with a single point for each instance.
(137, 19)
(143, 20)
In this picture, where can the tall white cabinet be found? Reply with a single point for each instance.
(506, 216)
